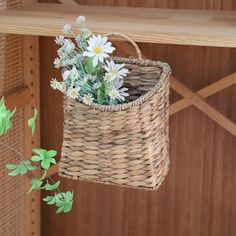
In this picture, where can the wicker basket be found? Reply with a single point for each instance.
(126, 144)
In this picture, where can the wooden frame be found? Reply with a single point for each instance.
(184, 27)
(31, 80)
(29, 96)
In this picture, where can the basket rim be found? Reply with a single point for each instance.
(165, 73)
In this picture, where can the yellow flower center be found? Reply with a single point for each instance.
(74, 93)
(97, 50)
(113, 72)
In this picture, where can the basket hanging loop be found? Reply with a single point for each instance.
(126, 37)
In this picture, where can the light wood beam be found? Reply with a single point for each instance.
(203, 106)
(69, 3)
(168, 26)
(204, 92)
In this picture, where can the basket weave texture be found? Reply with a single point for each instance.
(125, 144)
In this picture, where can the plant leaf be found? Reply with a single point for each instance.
(14, 172)
(31, 121)
(23, 169)
(51, 153)
(45, 164)
(36, 158)
(35, 184)
(41, 152)
(32, 168)
(5, 117)
(11, 166)
(52, 186)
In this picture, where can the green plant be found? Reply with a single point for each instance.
(40, 162)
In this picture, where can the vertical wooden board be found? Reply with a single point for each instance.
(198, 197)
(31, 80)
(12, 191)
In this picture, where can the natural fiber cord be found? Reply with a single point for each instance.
(125, 144)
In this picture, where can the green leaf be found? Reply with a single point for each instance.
(5, 117)
(11, 166)
(50, 200)
(51, 153)
(14, 172)
(36, 158)
(32, 168)
(41, 152)
(53, 161)
(45, 163)
(31, 121)
(22, 168)
(64, 202)
(45, 157)
(52, 186)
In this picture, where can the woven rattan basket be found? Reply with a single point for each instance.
(126, 144)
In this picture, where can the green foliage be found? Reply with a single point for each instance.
(45, 157)
(52, 186)
(5, 117)
(37, 183)
(22, 168)
(63, 201)
(31, 121)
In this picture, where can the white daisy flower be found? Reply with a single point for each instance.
(74, 74)
(57, 63)
(62, 87)
(123, 94)
(66, 74)
(98, 48)
(97, 85)
(66, 28)
(68, 45)
(117, 83)
(73, 93)
(108, 78)
(115, 70)
(113, 93)
(119, 94)
(80, 20)
(54, 84)
(88, 99)
(60, 40)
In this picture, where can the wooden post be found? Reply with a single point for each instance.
(31, 80)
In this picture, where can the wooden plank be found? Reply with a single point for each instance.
(204, 93)
(185, 27)
(204, 106)
(20, 98)
(31, 80)
(69, 3)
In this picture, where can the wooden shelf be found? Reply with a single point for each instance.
(185, 27)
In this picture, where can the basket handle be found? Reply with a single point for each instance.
(126, 37)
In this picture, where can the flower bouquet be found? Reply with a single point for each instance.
(89, 75)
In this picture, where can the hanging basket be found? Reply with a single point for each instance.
(125, 144)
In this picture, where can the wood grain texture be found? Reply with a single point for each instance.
(198, 196)
(31, 80)
(185, 27)
(19, 98)
(202, 105)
